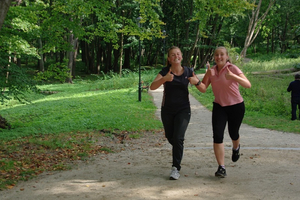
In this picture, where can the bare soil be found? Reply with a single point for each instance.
(268, 168)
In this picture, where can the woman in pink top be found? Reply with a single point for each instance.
(228, 105)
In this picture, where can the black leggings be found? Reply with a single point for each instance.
(175, 125)
(221, 115)
(295, 102)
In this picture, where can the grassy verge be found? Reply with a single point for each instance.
(68, 122)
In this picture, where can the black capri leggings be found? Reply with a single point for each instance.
(221, 115)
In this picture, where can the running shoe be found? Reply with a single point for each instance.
(235, 154)
(174, 174)
(221, 172)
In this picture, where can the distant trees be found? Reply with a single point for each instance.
(256, 21)
(52, 34)
(57, 39)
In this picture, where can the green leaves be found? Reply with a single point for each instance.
(56, 71)
(16, 83)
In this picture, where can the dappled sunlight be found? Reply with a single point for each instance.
(78, 186)
(62, 95)
(78, 95)
(268, 65)
(148, 189)
(139, 187)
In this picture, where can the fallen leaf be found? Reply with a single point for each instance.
(10, 186)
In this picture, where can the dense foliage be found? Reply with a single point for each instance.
(49, 36)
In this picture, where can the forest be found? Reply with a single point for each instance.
(60, 39)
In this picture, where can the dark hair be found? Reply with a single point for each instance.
(297, 76)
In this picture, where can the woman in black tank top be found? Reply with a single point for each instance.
(175, 108)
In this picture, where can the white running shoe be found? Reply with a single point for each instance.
(174, 174)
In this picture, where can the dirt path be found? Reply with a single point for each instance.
(267, 169)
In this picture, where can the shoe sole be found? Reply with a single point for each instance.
(220, 175)
(172, 178)
(233, 160)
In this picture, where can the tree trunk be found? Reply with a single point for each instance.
(82, 47)
(121, 53)
(108, 59)
(72, 57)
(191, 52)
(188, 53)
(87, 57)
(92, 58)
(116, 53)
(272, 41)
(98, 54)
(284, 34)
(4, 6)
(205, 54)
(254, 26)
(41, 61)
(75, 56)
(268, 44)
(127, 58)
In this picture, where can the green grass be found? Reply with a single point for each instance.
(111, 102)
(270, 63)
(82, 106)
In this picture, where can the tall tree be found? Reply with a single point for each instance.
(211, 16)
(255, 24)
(4, 6)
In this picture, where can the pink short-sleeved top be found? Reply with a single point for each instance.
(226, 92)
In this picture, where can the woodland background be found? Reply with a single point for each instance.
(61, 39)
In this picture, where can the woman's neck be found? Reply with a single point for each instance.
(177, 69)
(219, 68)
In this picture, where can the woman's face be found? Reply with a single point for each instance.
(221, 57)
(175, 56)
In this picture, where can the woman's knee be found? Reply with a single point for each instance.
(234, 137)
(177, 141)
(218, 139)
